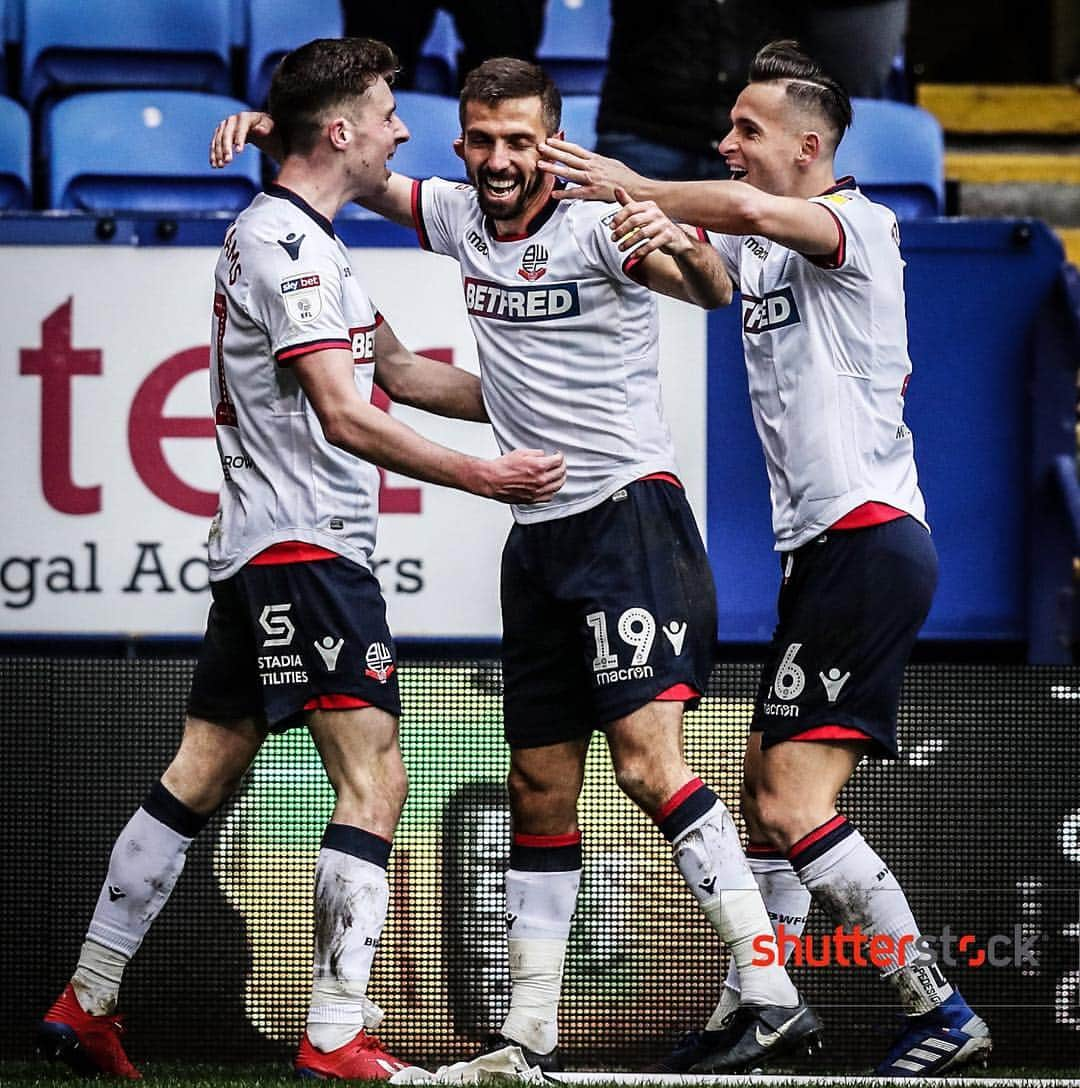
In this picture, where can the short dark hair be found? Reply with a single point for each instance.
(319, 76)
(503, 78)
(807, 84)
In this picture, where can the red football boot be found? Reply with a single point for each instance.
(89, 1044)
(361, 1058)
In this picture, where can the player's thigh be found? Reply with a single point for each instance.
(359, 750)
(545, 686)
(850, 610)
(647, 621)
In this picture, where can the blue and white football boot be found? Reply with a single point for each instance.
(938, 1041)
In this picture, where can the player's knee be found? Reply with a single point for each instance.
(540, 805)
(776, 818)
(639, 781)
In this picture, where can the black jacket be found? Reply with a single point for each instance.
(675, 68)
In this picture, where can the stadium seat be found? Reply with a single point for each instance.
(436, 66)
(274, 28)
(433, 126)
(574, 46)
(146, 150)
(14, 156)
(897, 154)
(579, 118)
(70, 46)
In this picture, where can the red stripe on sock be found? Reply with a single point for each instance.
(676, 799)
(677, 693)
(571, 838)
(817, 833)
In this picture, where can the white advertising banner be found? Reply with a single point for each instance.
(113, 472)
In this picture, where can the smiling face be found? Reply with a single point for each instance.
(499, 146)
(767, 145)
(375, 132)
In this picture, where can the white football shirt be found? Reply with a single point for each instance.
(567, 340)
(283, 287)
(826, 354)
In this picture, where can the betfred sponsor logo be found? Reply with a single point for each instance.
(549, 302)
(363, 343)
(776, 310)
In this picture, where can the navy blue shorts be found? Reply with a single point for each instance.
(283, 638)
(603, 611)
(851, 605)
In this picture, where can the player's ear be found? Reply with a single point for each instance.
(459, 148)
(809, 148)
(339, 133)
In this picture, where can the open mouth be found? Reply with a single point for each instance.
(500, 188)
(737, 172)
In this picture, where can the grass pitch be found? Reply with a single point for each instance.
(200, 1075)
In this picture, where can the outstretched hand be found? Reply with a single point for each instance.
(231, 136)
(594, 176)
(525, 476)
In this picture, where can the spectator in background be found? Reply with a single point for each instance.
(671, 83)
(510, 28)
(856, 40)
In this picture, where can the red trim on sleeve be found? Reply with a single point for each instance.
(836, 258)
(336, 702)
(285, 354)
(667, 477)
(291, 551)
(676, 799)
(631, 262)
(418, 216)
(571, 838)
(703, 234)
(832, 732)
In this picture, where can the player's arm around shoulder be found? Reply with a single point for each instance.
(408, 378)
(357, 426)
(235, 132)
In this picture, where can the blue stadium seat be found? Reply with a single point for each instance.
(437, 64)
(897, 154)
(144, 151)
(579, 118)
(433, 126)
(574, 46)
(14, 156)
(69, 45)
(276, 27)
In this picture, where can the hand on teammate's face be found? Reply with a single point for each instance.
(595, 177)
